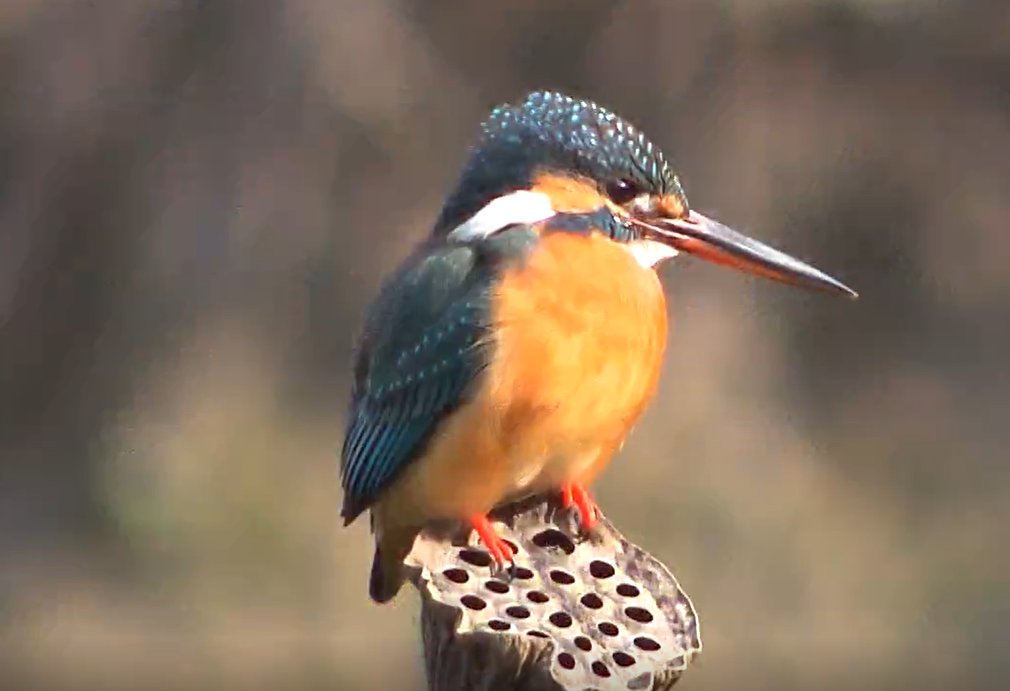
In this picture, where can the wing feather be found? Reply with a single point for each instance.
(425, 344)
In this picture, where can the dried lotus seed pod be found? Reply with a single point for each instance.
(574, 612)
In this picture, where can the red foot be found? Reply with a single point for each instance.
(574, 493)
(498, 548)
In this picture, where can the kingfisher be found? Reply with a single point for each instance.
(512, 352)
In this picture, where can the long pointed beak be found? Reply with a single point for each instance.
(703, 237)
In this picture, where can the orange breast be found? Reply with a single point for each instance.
(580, 340)
(580, 330)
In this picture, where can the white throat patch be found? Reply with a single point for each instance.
(518, 207)
(649, 253)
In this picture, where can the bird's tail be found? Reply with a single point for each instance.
(387, 566)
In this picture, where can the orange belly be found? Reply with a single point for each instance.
(580, 331)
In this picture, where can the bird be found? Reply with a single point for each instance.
(514, 349)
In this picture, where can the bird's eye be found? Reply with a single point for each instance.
(622, 191)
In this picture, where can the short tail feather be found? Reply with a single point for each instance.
(387, 568)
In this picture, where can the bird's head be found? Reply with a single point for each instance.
(572, 161)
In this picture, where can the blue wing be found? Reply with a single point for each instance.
(426, 341)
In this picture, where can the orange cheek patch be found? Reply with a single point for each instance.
(671, 207)
(569, 194)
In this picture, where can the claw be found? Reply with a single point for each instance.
(572, 493)
(499, 550)
(566, 496)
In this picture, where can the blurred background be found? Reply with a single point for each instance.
(198, 200)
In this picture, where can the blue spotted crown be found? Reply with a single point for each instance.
(552, 130)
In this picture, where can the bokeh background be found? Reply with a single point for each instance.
(198, 200)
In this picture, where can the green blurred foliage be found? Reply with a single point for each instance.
(197, 201)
